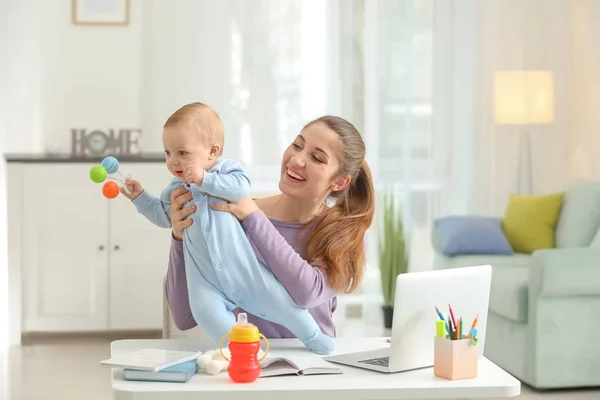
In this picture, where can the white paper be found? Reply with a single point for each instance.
(151, 359)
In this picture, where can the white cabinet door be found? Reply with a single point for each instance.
(139, 256)
(64, 249)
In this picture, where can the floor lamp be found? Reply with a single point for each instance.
(524, 98)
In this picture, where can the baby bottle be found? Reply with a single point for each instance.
(244, 345)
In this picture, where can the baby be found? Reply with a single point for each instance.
(222, 269)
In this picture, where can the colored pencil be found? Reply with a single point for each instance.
(452, 315)
(473, 326)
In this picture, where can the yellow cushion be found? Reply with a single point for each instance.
(530, 221)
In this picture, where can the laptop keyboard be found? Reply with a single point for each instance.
(379, 361)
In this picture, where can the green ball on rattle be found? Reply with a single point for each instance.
(98, 174)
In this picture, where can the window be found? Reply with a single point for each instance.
(278, 71)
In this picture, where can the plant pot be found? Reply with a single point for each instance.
(388, 314)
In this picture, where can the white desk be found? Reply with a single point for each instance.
(353, 384)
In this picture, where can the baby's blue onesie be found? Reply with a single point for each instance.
(222, 270)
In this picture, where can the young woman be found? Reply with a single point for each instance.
(313, 249)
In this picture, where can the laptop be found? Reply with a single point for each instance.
(466, 289)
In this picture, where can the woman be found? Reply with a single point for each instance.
(315, 251)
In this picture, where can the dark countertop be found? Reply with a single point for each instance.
(70, 158)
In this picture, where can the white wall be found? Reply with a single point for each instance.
(65, 76)
(90, 75)
(555, 35)
(520, 41)
(584, 138)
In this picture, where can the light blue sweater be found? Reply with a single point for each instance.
(222, 269)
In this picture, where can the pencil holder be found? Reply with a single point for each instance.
(454, 359)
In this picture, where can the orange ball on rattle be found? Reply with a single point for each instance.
(110, 190)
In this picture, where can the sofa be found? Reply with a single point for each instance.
(544, 310)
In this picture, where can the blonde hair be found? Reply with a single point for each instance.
(204, 118)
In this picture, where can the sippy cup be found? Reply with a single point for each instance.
(244, 345)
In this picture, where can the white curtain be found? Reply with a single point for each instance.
(3, 211)
(263, 65)
(428, 101)
(268, 67)
(405, 63)
(20, 114)
(415, 76)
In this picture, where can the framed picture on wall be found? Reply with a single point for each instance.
(100, 12)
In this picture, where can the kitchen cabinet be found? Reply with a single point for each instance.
(86, 263)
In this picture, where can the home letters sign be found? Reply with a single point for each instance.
(86, 142)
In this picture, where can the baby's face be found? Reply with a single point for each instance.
(185, 146)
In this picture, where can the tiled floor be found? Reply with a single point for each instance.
(68, 369)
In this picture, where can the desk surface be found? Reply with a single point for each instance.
(353, 384)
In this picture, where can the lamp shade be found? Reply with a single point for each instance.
(523, 97)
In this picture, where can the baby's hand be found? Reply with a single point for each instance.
(134, 187)
(193, 174)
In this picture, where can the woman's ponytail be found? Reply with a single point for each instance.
(336, 241)
(360, 198)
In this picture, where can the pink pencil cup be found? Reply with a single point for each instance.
(454, 359)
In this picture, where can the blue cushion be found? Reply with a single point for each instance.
(466, 234)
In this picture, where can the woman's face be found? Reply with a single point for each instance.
(311, 164)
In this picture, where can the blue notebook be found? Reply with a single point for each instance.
(177, 373)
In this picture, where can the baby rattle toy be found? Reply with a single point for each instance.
(108, 169)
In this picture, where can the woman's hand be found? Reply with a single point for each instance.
(241, 209)
(178, 214)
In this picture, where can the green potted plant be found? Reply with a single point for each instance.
(393, 258)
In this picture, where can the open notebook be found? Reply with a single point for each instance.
(297, 365)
